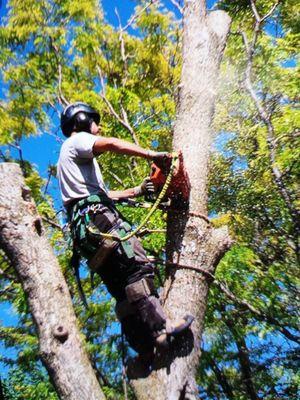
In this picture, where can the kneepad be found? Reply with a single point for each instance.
(139, 290)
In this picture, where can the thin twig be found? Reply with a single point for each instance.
(271, 11)
(52, 105)
(254, 9)
(260, 314)
(177, 5)
(52, 223)
(61, 96)
(19, 149)
(258, 18)
(6, 275)
(123, 121)
(136, 16)
(48, 180)
(127, 123)
(57, 138)
(141, 119)
(121, 38)
(116, 178)
(62, 100)
(7, 289)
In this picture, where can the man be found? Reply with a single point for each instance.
(123, 266)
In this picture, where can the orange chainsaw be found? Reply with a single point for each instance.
(179, 188)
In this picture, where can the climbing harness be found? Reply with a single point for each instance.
(96, 246)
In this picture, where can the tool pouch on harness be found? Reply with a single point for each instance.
(87, 236)
(97, 249)
(108, 245)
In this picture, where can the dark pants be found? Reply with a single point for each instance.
(120, 270)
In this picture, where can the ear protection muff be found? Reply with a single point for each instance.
(82, 122)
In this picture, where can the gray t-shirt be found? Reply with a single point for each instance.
(78, 172)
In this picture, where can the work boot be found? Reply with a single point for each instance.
(173, 328)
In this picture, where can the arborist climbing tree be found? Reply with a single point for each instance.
(97, 229)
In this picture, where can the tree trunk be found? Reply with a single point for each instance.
(23, 239)
(192, 241)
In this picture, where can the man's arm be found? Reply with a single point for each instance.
(145, 187)
(120, 146)
(121, 194)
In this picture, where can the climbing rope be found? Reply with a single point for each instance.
(153, 208)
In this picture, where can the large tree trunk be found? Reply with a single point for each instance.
(192, 241)
(26, 244)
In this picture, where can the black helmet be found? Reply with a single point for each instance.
(78, 116)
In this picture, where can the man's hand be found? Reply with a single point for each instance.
(146, 187)
(158, 155)
(162, 159)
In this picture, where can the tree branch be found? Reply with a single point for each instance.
(7, 290)
(265, 117)
(258, 18)
(6, 275)
(258, 313)
(115, 177)
(127, 123)
(52, 105)
(52, 223)
(123, 53)
(136, 16)
(177, 5)
(61, 96)
(48, 180)
(142, 119)
(221, 377)
(254, 9)
(245, 363)
(62, 100)
(27, 246)
(123, 121)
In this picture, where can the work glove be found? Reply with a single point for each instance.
(145, 188)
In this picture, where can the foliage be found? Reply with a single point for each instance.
(20, 385)
(59, 50)
(261, 269)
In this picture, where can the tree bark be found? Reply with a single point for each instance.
(191, 240)
(23, 239)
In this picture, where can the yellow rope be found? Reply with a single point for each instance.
(153, 208)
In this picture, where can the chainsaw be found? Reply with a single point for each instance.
(179, 188)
